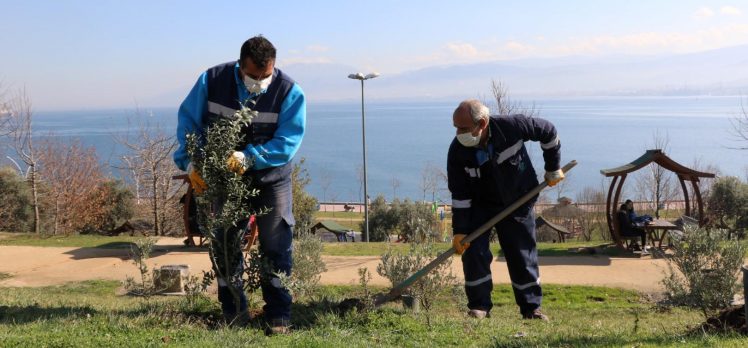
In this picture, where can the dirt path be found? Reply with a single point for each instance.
(41, 266)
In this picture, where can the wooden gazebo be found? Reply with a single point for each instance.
(657, 156)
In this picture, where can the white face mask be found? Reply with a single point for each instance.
(468, 139)
(255, 86)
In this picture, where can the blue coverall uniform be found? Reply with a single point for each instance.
(271, 141)
(484, 180)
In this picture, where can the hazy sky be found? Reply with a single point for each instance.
(105, 53)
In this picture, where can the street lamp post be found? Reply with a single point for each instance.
(362, 78)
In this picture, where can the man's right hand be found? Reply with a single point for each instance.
(197, 182)
(458, 245)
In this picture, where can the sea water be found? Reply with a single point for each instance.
(404, 140)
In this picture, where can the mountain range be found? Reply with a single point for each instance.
(721, 71)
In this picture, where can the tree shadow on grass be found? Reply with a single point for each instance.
(25, 314)
(121, 250)
(590, 341)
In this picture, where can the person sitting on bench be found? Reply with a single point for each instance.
(627, 228)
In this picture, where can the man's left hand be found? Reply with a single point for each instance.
(237, 163)
(554, 177)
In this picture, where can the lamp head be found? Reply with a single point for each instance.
(357, 76)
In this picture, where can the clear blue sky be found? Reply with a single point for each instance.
(106, 53)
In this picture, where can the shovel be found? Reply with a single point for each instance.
(398, 290)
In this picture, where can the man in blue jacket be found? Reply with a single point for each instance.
(488, 169)
(271, 140)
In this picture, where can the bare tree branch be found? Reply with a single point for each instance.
(657, 185)
(150, 168)
(72, 173)
(5, 114)
(21, 115)
(433, 181)
(502, 104)
(740, 125)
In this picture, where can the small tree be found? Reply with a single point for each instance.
(19, 122)
(592, 219)
(704, 185)
(5, 113)
(307, 267)
(117, 204)
(410, 220)
(703, 271)
(504, 105)
(224, 202)
(657, 185)
(417, 221)
(383, 219)
(151, 169)
(433, 180)
(72, 174)
(325, 180)
(304, 204)
(140, 251)
(740, 126)
(395, 183)
(728, 204)
(397, 267)
(16, 212)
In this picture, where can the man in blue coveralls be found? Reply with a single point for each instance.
(488, 169)
(271, 141)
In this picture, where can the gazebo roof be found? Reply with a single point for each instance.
(540, 221)
(659, 157)
(331, 226)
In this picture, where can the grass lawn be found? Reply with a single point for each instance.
(89, 314)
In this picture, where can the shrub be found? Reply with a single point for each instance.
(224, 201)
(16, 213)
(304, 204)
(139, 252)
(703, 271)
(383, 219)
(195, 288)
(410, 220)
(728, 203)
(398, 267)
(307, 267)
(118, 204)
(418, 222)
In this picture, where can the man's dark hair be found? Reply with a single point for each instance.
(259, 50)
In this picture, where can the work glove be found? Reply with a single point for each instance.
(237, 163)
(458, 245)
(197, 182)
(554, 177)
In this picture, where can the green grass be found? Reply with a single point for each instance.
(81, 241)
(4, 275)
(321, 215)
(89, 314)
